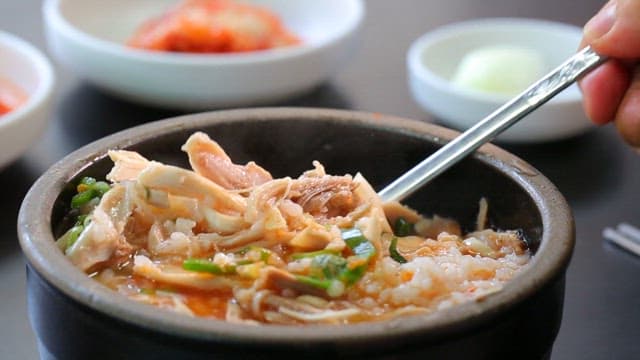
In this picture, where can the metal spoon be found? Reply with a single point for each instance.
(492, 125)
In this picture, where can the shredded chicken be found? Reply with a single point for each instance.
(208, 159)
(227, 241)
(178, 181)
(104, 237)
(127, 165)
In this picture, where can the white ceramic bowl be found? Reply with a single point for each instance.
(89, 35)
(25, 66)
(433, 59)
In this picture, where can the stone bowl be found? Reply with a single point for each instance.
(76, 317)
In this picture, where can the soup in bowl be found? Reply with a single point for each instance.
(279, 289)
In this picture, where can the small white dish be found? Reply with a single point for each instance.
(27, 68)
(433, 59)
(89, 37)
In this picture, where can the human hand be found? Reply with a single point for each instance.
(612, 91)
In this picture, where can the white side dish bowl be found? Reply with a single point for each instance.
(433, 67)
(27, 68)
(89, 37)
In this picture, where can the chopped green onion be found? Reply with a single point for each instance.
(88, 189)
(244, 250)
(70, 237)
(402, 227)
(393, 251)
(353, 237)
(82, 198)
(358, 243)
(333, 287)
(315, 282)
(363, 251)
(101, 187)
(332, 272)
(244, 262)
(83, 220)
(330, 266)
(204, 265)
(89, 192)
(147, 291)
(362, 248)
(312, 254)
(265, 254)
(351, 276)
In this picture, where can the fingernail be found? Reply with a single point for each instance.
(601, 23)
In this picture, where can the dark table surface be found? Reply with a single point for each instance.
(597, 173)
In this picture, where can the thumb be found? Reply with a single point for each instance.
(615, 30)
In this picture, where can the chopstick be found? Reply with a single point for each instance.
(624, 235)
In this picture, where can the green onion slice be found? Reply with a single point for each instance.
(312, 254)
(313, 281)
(358, 243)
(82, 198)
(393, 252)
(402, 227)
(70, 237)
(328, 266)
(88, 189)
(204, 265)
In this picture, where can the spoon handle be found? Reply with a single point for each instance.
(492, 125)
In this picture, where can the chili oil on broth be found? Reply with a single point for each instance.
(228, 241)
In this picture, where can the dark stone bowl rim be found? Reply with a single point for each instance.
(37, 242)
